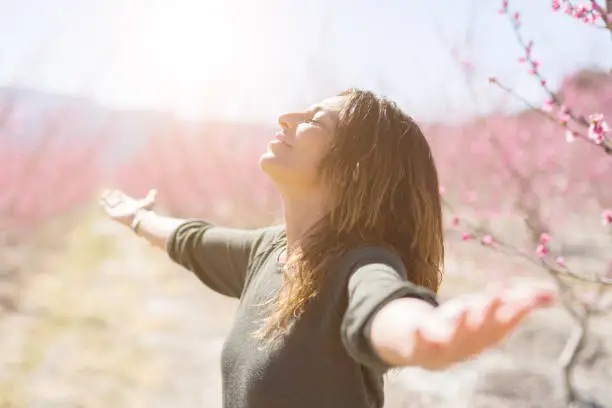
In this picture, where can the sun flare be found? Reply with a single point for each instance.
(186, 55)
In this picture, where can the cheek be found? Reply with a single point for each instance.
(311, 147)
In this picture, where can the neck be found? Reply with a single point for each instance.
(302, 211)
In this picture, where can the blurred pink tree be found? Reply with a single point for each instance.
(44, 175)
(534, 166)
(205, 170)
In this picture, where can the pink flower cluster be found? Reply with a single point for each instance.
(588, 12)
(535, 64)
(598, 128)
(585, 11)
(464, 236)
(563, 114)
(543, 250)
(504, 7)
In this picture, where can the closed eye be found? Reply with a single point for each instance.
(312, 122)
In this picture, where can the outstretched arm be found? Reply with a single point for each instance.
(411, 332)
(218, 256)
(138, 214)
(155, 228)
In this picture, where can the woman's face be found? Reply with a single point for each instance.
(293, 157)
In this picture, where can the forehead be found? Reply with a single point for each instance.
(331, 105)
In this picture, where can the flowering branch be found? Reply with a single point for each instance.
(598, 131)
(541, 255)
(589, 13)
(557, 268)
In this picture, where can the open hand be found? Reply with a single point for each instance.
(465, 326)
(123, 208)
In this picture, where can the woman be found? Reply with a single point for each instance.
(345, 289)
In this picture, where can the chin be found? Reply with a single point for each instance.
(267, 157)
(268, 163)
(275, 168)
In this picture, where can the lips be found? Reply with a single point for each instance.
(281, 138)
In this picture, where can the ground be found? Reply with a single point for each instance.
(110, 322)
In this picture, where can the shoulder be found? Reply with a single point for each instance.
(267, 240)
(267, 236)
(372, 256)
(365, 264)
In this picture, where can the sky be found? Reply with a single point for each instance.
(253, 59)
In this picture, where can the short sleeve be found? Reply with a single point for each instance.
(218, 256)
(375, 280)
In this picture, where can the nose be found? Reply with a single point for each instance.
(288, 121)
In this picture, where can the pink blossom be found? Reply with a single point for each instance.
(544, 238)
(465, 236)
(504, 7)
(560, 261)
(555, 5)
(597, 128)
(487, 240)
(542, 250)
(581, 10)
(564, 115)
(547, 106)
(455, 221)
(606, 217)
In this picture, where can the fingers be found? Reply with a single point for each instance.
(460, 325)
(110, 198)
(519, 305)
(149, 200)
(105, 194)
(151, 194)
(492, 307)
(498, 310)
(465, 326)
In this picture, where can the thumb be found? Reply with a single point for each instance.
(149, 200)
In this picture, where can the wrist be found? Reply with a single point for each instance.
(434, 348)
(395, 331)
(138, 218)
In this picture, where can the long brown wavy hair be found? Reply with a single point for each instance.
(385, 185)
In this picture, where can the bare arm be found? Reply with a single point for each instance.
(138, 215)
(218, 256)
(155, 228)
(411, 332)
(394, 327)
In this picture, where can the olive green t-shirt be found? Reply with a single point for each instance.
(326, 360)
